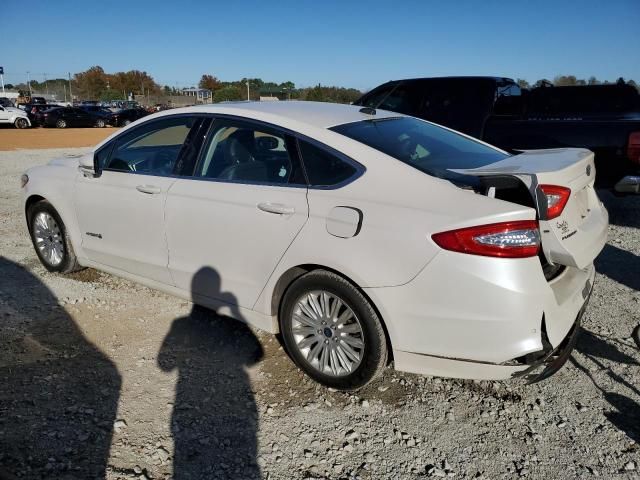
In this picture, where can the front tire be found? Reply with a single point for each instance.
(100, 123)
(60, 123)
(21, 123)
(50, 238)
(332, 332)
(126, 122)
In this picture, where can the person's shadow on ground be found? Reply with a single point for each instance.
(58, 392)
(215, 419)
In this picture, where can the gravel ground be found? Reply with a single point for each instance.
(103, 378)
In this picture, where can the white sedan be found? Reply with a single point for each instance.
(362, 236)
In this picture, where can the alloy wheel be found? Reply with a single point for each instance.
(48, 238)
(327, 333)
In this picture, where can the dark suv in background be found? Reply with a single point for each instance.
(603, 118)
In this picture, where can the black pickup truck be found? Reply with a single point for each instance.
(603, 118)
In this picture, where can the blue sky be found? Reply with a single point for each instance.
(348, 43)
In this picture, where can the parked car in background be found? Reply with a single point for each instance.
(359, 235)
(38, 100)
(122, 118)
(33, 109)
(105, 115)
(14, 116)
(603, 118)
(5, 102)
(63, 117)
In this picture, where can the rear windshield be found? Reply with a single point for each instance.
(427, 147)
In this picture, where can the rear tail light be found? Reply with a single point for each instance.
(633, 147)
(557, 198)
(519, 239)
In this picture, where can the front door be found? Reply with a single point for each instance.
(229, 225)
(121, 211)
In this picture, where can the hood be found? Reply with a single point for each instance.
(66, 161)
(16, 110)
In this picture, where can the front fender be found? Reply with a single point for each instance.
(56, 184)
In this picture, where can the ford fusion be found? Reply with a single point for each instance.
(363, 237)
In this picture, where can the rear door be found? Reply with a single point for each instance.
(231, 222)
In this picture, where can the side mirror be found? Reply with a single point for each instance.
(86, 166)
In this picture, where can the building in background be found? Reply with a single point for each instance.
(201, 95)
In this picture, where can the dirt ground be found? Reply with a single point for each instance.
(36, 138)
(101, 378)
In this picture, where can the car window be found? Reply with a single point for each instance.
(374, 98)
(152, 148)
(427, 147)
(243, 152)
(406, 98)
(323, 168)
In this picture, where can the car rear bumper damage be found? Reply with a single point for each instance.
(511, 324)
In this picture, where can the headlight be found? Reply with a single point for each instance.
(24, 179)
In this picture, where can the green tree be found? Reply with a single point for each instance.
(226, 94)
(523, 83)
(593, 81)
(564, 80)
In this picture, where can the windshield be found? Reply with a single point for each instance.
(427, 147)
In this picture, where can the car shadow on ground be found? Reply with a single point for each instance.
(624, 210)
(215, 419)
(58, 392)
(619, 265)
(625, 413)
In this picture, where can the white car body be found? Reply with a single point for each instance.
(9, 115)
(446, 313)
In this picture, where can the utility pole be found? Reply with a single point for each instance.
(247, 90)
(70, 94)
(2, 78)
(46, 85)
(29, 83)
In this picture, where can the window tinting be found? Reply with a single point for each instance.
(427, 147)
(241, 152)
(152, 148)
(323, 168)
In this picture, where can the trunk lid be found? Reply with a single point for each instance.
(578, 234)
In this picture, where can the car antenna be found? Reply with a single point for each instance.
(368, 111)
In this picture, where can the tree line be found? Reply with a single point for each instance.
(95, 84)
(572, 80)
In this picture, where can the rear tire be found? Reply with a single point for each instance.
(332, 332)
(60, 123)
(100, 123)
(126, 122)
(21, 123)
(50, 238)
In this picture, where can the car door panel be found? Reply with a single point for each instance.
(121, 211)
(122, 226)
(218, 229)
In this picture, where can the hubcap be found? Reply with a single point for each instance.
(48, 238)
(328, 333)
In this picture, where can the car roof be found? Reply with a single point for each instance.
(314, 114)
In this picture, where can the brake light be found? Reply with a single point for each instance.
(633, 147)
(519, 239)
(557, 198)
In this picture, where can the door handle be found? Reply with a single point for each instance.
(276, 208)
(150, 189)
